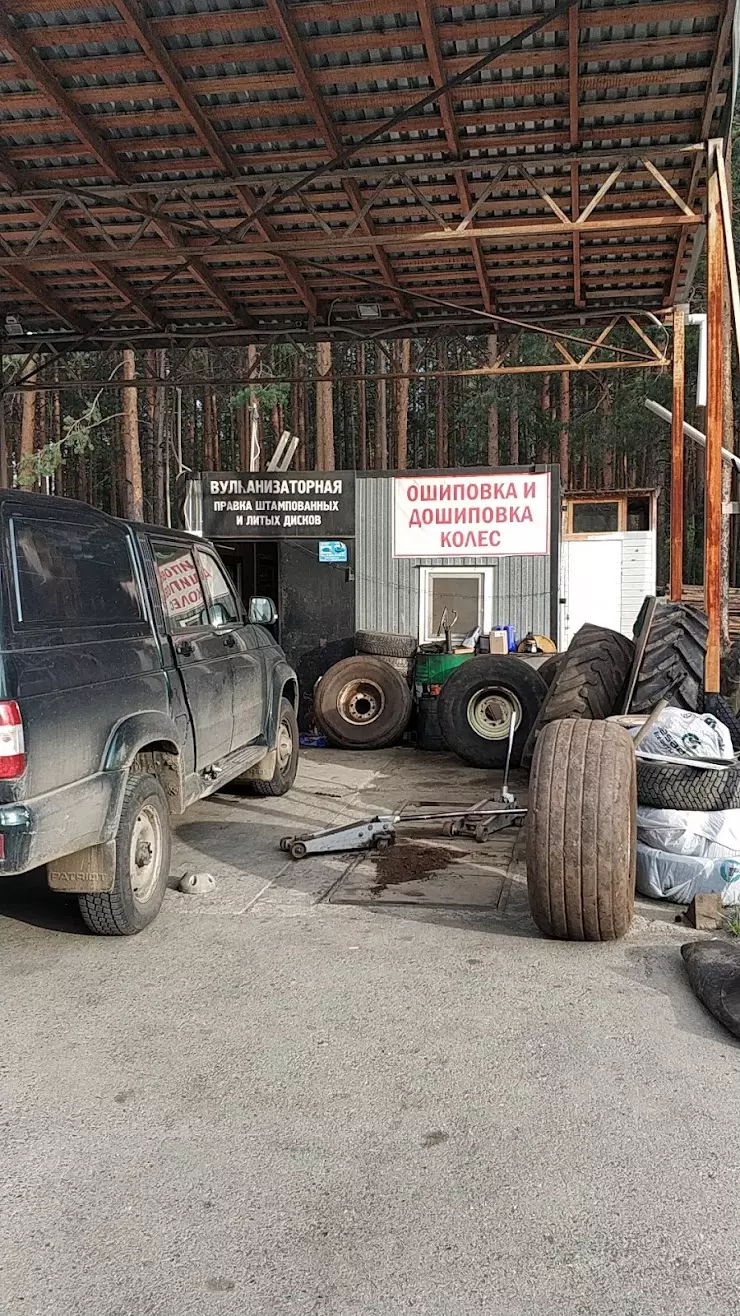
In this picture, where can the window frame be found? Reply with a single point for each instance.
(200, 628)
(72, 629)
(208, 552)
(426, 576)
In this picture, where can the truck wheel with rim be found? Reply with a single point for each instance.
(477, 703)
(362, 703)
(287, 746)
(143, 847)
(581, 831)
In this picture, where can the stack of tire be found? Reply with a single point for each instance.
(585, 781)
(364, 702)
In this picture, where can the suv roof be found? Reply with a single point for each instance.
(35, 501)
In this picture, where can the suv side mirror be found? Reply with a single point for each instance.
(262, 611)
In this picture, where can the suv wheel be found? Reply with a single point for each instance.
(286, 763)
(143, 845)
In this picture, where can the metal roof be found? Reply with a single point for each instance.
(137, 141)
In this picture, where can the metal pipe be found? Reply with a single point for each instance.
(690, 431)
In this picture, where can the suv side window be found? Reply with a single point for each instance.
(71, 574)
(179, 586)
(223, 607)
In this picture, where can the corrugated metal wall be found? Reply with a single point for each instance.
(387, 588)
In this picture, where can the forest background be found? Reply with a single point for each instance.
(118, 448)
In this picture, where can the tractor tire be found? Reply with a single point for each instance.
(548, 670)
(385, 645)
(673, 786)
(581, 831)
(720, 708)
(362, 703)
(675, 652)
(476, 704)
(588, 683)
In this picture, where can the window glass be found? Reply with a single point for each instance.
(595, 518)
(223, 605)
(179, 584)
(638, 514)
(455, 594)
(74, 575)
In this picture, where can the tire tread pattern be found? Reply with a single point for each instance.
(581, 838)
(673, 786)
(675, 651)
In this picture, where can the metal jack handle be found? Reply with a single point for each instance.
(506, 795)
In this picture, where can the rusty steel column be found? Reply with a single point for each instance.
(715, 408)
(677, 460)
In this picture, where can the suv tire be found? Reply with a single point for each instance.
(286, 764)
(386, 645)
(143, 848)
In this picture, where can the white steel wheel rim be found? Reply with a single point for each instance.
(284, 744)
(360, 702)
(490, 712)
(145, 856)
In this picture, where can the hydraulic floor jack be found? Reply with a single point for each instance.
(379, 833)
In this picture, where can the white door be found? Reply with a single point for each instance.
(592, 580)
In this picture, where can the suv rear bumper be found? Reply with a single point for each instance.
(62, 822)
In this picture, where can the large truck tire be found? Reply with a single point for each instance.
(588, 683)
(673, 662)
(362, 703)
(477, 703)
(385, 645)
(673, 786)
(581, 831)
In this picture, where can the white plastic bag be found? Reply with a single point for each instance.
(680, 877)
(714, 835)
(677, 733)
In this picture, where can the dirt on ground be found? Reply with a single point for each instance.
(409, 862)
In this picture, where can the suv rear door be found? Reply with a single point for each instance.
(202, 651)
(242, 642)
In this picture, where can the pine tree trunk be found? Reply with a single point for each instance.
(381, 416)
(493, 414)
(324, 409)
(362, 406)
(542, 447)
(56, 431)
(442, 447)
(564, 446)
(131, 449)
(514, 422)
(402, 405)
(26, 478)
(160, 439)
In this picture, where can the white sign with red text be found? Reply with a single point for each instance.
(477, 515)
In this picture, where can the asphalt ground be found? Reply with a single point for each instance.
(272, 1104)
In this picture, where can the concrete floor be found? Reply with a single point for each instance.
(270, 1104)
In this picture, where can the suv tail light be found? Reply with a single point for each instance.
(12, 745)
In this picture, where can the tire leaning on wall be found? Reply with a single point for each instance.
(581, 831)
(362, 703)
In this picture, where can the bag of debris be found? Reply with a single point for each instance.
(680, 877)
(679, 733)
(714, 835)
